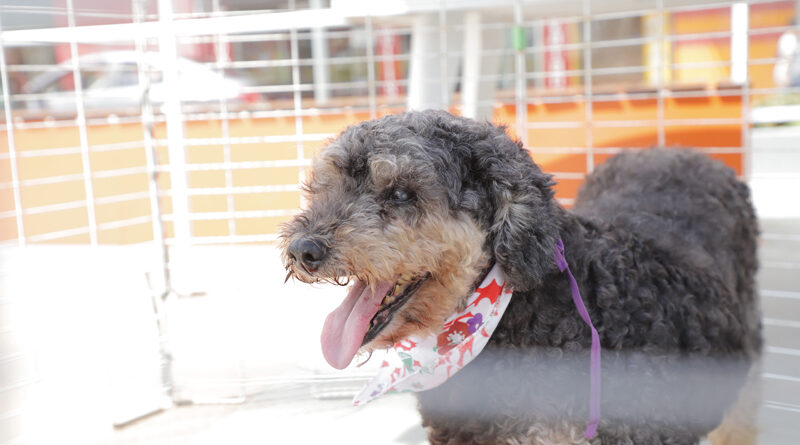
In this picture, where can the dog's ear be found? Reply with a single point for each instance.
(522, 217)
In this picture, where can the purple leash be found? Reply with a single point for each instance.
(594, 365)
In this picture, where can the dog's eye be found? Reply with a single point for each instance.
(399, 196)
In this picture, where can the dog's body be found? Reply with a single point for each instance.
(662, 244)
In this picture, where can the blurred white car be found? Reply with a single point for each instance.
(110, 80)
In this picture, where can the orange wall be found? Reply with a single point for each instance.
(761, 46)
(33, 140)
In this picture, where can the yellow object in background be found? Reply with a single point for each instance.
(657, 54)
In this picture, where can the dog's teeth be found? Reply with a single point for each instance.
(388, 300)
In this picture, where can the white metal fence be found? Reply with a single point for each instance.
(174, 125)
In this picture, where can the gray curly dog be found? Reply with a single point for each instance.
(662, 244)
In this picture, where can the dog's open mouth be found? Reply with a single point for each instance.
(364, 313)
(394, 300)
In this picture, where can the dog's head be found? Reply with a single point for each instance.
(412, 209)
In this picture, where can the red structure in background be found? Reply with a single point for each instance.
(556, 62)
(389, 70)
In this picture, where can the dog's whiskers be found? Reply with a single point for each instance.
(338, 281)
(365, 360)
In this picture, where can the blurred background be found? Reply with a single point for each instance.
(149, 150)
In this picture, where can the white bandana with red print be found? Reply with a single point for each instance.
(419, 364)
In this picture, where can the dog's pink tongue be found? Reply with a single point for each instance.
(346, 326)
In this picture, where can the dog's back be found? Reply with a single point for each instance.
(674, 196)
(685, 203)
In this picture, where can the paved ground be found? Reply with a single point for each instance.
(779, 282)
(284, 416)
(306, 413)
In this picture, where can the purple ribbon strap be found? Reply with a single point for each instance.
(594, 366)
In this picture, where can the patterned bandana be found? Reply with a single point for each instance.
(419, 364)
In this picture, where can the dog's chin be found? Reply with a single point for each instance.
(396, 330)
(422, 313)
(393, 312)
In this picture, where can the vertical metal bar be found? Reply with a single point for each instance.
(660, 65)
(479, 61)
(371, 83)
(444, 79)
(156, 212)
(521, 83)
(12, 149)
(175, 132)
(739, 37)
(86, 163)
(423, 91)
(221, 48)
(740, 74)
(147, 121)
(319, 53)
(587, 83)
(471, 65)
(298, 101)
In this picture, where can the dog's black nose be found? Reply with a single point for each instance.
(307, 252)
